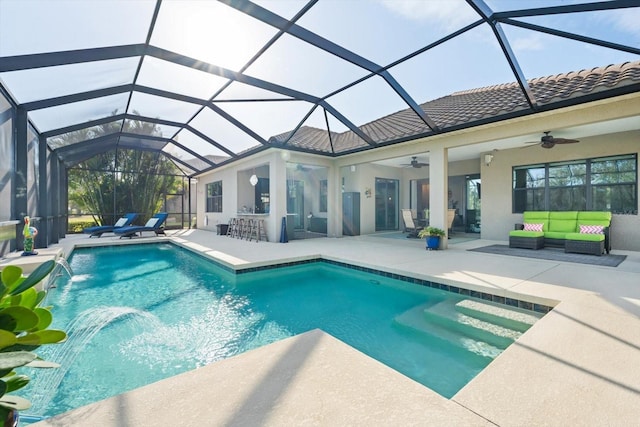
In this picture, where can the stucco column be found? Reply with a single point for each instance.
(277, 193)
(438, 176)
(334, 201)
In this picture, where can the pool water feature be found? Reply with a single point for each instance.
(147, 312)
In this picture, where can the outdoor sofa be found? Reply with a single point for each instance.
(575, 231)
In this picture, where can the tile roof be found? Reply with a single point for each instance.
(469, 107)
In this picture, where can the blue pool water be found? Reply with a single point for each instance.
(140, 313)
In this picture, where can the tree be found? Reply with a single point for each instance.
(138, 178)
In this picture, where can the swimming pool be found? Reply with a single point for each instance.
(141, 313)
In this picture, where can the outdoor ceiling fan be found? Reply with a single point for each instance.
(415, 163)
(549, 141)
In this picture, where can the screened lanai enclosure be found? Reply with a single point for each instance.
(121, 105)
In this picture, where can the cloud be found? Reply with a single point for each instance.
(626, 20)
(448, 14)
(532, 42)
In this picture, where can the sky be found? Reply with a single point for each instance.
(380, 31)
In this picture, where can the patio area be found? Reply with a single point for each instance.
(579, 365)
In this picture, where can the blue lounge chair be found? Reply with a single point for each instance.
(99, 230)
(154, 224)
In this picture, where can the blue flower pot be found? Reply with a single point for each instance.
(433, 242)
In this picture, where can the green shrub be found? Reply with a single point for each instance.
(78, 226)
(431, 231)
(23, 328)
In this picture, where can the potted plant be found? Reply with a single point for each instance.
(432, 236)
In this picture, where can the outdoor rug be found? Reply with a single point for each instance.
(553, 254)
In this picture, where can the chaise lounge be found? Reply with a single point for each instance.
(154, 224)
(99, 230)
(575, 231)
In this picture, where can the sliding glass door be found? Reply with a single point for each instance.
(472, 214)
(387, 204)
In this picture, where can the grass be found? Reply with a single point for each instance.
(77, 223)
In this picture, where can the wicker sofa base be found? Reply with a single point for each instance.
(582, 247)
(526, 242)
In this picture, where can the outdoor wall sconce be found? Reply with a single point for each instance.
(253, 180)
(488, 158)
(367, 192)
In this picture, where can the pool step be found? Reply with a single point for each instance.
(481, 327)
(414, 319)
(447, 315)
(512, 318)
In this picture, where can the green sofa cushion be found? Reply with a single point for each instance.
(585, 237)
(594, 218)
(535, 217)
(591, 222)
(563, 215)
(557, 234)
(563, 225)
(594, 215)
(522, 233)
(564, 222)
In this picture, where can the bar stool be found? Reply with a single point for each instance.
(240, 228)
(233, 227)
(262, 232)
(252, 229)
(257, 230)
(246, 228)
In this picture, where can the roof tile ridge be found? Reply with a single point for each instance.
(587, 71)
(480, 89)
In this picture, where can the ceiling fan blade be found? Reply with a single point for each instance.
(564, 141)
(415, 163)
(549, 141)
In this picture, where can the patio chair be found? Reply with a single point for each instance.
(154, 224)
(99, 230)
(410, 224)
(451, 216)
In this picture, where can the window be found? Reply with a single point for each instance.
(529, 188)
(601, 184)
(214, 197)
(614, 184)
(567, 187)
(323, 196)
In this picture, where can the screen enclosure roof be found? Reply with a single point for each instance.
(208, 82)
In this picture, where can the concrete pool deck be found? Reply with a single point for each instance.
(579, 365)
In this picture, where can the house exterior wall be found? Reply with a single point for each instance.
(497, 216)
(238, 192)
(232, 198)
